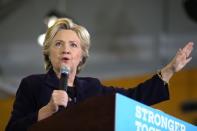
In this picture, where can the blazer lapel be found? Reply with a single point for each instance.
(51, 79)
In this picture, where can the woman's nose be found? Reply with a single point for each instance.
(66, 49)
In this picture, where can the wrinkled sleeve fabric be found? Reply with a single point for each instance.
(152, 91)
(24, 113)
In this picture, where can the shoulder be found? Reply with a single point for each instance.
(88, 78)
(29, 85)
(32, 81)
(34, 77)
(88, 82)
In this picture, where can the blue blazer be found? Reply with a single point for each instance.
(35, 92)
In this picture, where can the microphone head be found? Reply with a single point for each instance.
(64, 70)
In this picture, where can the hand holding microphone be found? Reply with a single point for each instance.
(63, 85)
(59, 98)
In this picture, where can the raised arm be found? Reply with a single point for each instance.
(178, 62)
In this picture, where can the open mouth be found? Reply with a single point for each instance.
(65, 59)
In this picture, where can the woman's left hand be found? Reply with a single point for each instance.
(182, 57)
(178, 62)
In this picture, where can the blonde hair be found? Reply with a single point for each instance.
(68, 24)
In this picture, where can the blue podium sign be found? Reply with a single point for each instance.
(131, 115)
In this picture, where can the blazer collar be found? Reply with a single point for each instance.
(51, 79)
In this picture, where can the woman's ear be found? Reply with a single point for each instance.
(81, 61)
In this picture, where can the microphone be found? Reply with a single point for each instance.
(63, 78)
(63, 81)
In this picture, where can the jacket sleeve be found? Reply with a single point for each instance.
(24, 113)
(152, 91)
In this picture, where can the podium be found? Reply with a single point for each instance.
(111, 113)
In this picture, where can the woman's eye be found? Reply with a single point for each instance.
(58, 44)
(73, 45)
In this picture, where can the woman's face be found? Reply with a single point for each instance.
(66, 50)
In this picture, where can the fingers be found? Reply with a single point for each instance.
(188, 48)
(188, 60)
(182, 57)
(186, 51)
(59, 97)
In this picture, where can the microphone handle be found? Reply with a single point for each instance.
(63, 86)
(63, 82)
